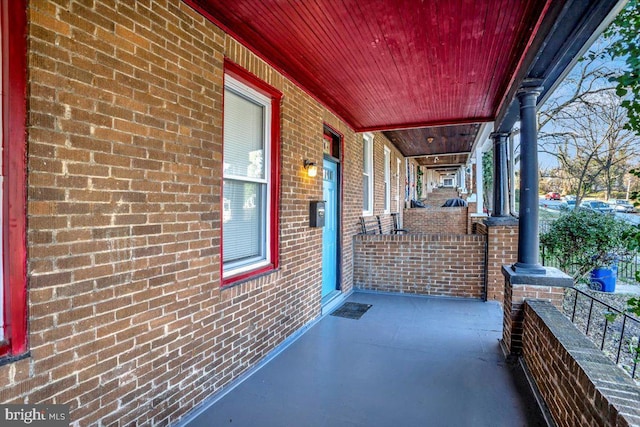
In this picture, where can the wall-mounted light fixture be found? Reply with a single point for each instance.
(311, 167)
(430, 140)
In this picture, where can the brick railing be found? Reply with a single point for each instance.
(579, 384)
(440, 195)
(427, 264)
(436, 220)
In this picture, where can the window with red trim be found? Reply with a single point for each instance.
(251, 147)
(13, 330)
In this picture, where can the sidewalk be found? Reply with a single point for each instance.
(627, 289)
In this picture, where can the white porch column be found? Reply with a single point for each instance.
(462, 183)
(481, 144)
(512, 176)
(479, 183)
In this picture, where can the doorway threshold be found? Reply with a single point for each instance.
(331, 301)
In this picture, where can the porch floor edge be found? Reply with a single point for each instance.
(408, 294)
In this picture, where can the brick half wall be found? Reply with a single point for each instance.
(436, 220)
(427, 264)
(579, 384)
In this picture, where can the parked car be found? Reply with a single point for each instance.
(569, 197)
(552, 196)
(596, 205)
(620, 205)
(568, 205)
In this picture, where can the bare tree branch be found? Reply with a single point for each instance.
(583, 127)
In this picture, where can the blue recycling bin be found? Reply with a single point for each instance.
(604, 279)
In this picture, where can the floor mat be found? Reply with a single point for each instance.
(351, 310)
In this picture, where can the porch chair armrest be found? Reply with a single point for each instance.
(396, 224)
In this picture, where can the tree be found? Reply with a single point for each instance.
(631, 184)
(633, 304)
(584, 127)
(619, 144)
(624, 34)
(583, 240)
(487, 179)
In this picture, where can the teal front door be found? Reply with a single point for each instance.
(330, 230)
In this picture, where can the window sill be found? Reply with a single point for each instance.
(229, 282)
(6, 360)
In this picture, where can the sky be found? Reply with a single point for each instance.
(565, 89)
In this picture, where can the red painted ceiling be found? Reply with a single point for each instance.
(390, 64)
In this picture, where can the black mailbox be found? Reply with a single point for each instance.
(316, 213)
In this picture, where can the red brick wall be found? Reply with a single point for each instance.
(442, 265)
(513, 308)
(440, 195)
(127, 319)
(480, 228)
(579, 384)
(436, 220)
(502, 249)
(471, 219)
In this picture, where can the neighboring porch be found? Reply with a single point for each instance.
(408, 361)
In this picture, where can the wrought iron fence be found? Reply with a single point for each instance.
(543, 225)
(628, 270)
(615, 332)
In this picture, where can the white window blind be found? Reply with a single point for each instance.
(387, 180)
(246, 198)
(398, 189)
(243, 137)
(367, 175)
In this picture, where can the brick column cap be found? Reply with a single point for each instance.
(508, 221)
(552, 277)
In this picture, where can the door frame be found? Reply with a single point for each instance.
(339, 140)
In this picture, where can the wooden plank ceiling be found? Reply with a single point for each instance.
(435, 141)
(393, 64)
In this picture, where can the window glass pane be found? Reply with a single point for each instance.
(365, 194)
(386, 196)
(244, 212)
(365, 156)
(367, 174)
(387, 179)
(243, 137)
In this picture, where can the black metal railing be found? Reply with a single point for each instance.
(544, 225)
(615, 332)
(627, 268)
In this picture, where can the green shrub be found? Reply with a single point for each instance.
(583, 240)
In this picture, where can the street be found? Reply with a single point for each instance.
(554, 205)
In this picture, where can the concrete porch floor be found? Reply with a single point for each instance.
(408, 361)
